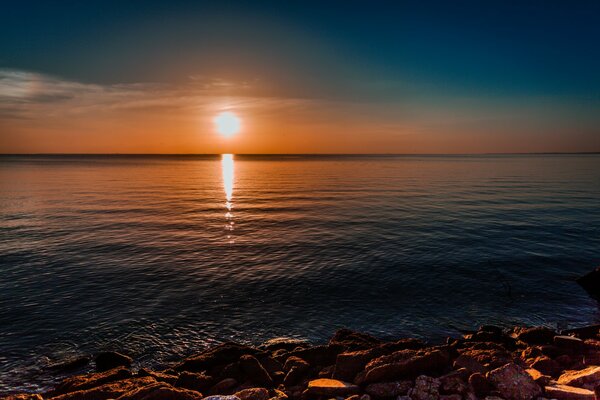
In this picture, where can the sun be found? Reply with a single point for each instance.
(227, 123)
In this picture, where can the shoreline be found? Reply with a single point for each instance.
(491, 363)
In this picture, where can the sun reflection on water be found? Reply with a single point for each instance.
(228, 178)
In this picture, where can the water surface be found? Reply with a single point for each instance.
(161, 256)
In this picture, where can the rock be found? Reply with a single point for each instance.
(513, 383)
(194, 381)
(158, 376)
(564, 392)
(294, 376)
(111, 359)
(23, 396)
(224, 386)
(70, 364)
(536, 335)
(326, 372)
(331, 387)
(82, 382)
(426, 388)
(161, 391)
(403, 364)
(388, 389)
(585, 332)
(450, 397)
(453, 383)
(294, 361)
(284, 343)
(546, 366)
(253, 394)
(254, 371)
(223, 354)
(569, 342)
(318, 355)
(586, 378)
(279, 395)
(470, 363)
(590, 282)
(221, 397)
(538, 377)
(351, 340)
(481, 386)
(110, 390)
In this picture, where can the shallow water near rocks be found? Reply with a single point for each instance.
(160, 256)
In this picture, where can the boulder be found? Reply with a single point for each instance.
(23, 396)
(294, 361)
(331, 387)
(586, 378)
(110, 390)
(426, 388)
(161, 391)
(569, 343)
(82, 382)
(111, 359)
(538, 377)
(318, 355)
(221, 397)
(454, 382)
(564, 392)
(450, 397)
(403, 364)
(480, 384)
(225, 386)
(546, 366)
(253, 394)
(70, 364)
(536, 335)
(253, 370)
(158, 376)
(590, 282)
(514, 383)
(585, 332)
(470, 363)
(351, 340)
(283, 343)
(194, 381)
(388, 389)
(223, 354)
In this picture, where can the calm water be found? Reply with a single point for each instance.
(160, 256)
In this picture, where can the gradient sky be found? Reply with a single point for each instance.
(305, 77)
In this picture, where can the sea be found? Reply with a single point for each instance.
(161, 256)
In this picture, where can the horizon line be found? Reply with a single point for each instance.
(306, 154)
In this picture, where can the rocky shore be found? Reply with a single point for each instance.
(490, 363)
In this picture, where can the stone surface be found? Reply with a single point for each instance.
(194, 381)
(331, 387)
(161, 391)
(284, 343)
(111, 359)
(569, 342)
(453, 383)
(591, 283)
(221, 397)
(224, 387)
(254, 371)
(110, 390)
(351, 340)
(536, 335)
(546, 365)
(82, 382)
(564, 392)
(388, 389)
(23, 396)
(426, 388)
(587, 378)
(538, 377)
(480, 384)
(403, 364)
(253, 394)
(514, 383)
(221, 355)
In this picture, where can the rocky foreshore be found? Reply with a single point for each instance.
(490, 363)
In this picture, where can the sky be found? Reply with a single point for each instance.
(303, 77)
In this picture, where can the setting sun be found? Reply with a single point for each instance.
(227, 123)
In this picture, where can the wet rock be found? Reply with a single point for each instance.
(454, 382)
(564, 392)
(254, 371)
(253, 394)
(586, 332)
(70, 364)
(161, 391)
(590, 282)
(318, 355)
(110, 390)
(360, 397)
(388, 389)
(546, 366)
(331, 387)
(569, 343)
(82, 382)
(158, 376)
(351, 340)
(277, 394)
(536, 335)
(294, 376)
(111, 359)
(403, 364)
(538, 377)
(586, 378)
(513, 383)
(294, 361)
(23, 396)
(224, 386)
(450, 397)
(480, 384)
(283, 343)
(326, 372)
(223, 354)
(470, 363)
(194, 381)
(221, 397)
(270, 364)
(426, 388)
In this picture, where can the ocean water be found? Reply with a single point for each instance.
(162, 256)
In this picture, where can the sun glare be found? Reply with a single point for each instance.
(227, 123)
